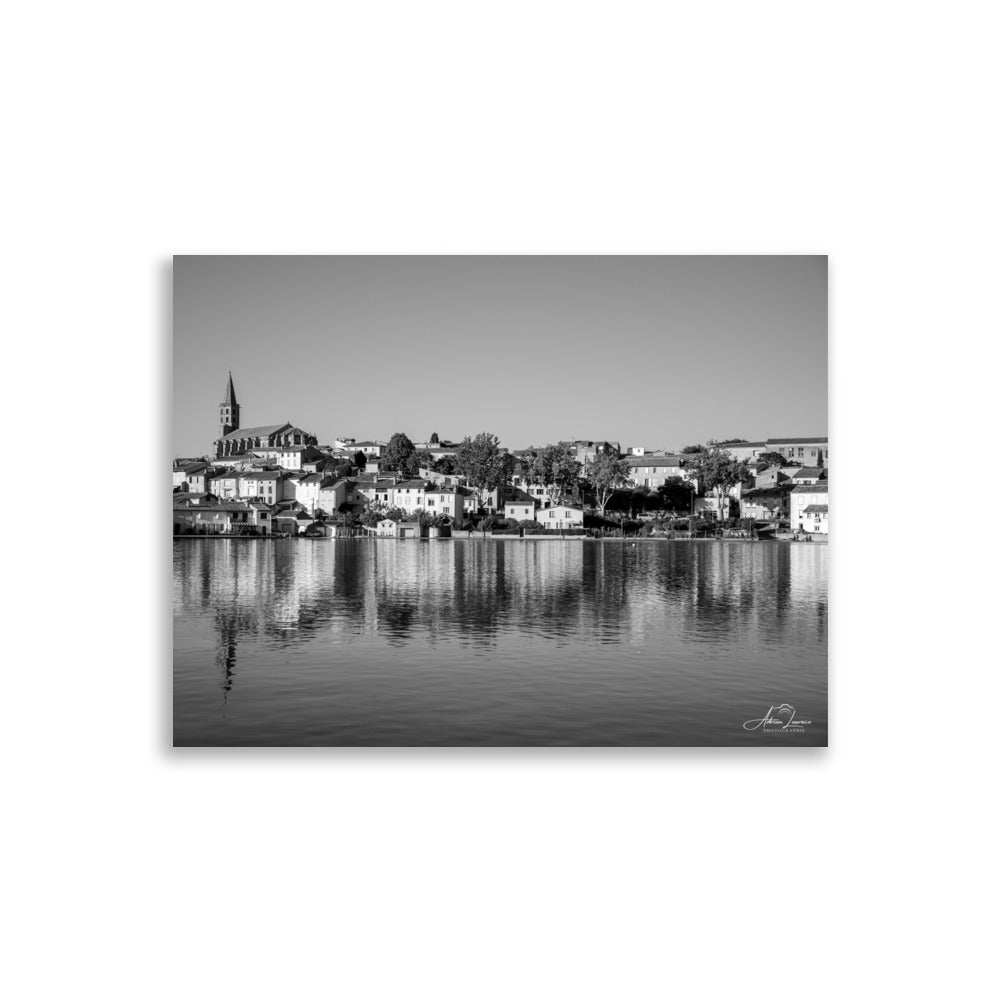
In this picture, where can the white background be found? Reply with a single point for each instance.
(133, 131)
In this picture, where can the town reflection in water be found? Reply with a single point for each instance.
(328, 628)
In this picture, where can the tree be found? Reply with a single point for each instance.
(692, 449)
(417, 460)
(483, 463)
(434, 438)
(770, 458)
(445, 465)
(718, 472)
(607, 473)
(398, 451)
(676, 494)
(556, 468)
(360, 459)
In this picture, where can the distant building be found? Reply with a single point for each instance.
(654, 471)
(806, 451)
(269, 487)
(234, 440)
(222, 518)
(195, 476)
(807, 476)
(307, 490)
(448, 501)
(331, 496)
(804, 497)
(586, 451)
(520, 507)
(560, 517)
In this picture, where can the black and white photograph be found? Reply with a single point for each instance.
(579, 576)
(500, 501)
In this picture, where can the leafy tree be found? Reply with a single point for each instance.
(607, 473)
(770, 458)
(398, 451)
(556, 468)
(718, 472)
(360, 459)
(676, 494)
(434, 438)
(692, 449)
(483, 464)
(417, 460)
(445, 465)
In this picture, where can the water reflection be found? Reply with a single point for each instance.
(309, 616)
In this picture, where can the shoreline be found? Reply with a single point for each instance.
(809, 540)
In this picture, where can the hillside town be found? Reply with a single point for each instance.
(280, 480)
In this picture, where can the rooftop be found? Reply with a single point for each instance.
(812, 440)
(254, 432)
(817, 488)
(816, 508)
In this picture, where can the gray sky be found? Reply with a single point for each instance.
(653, 351)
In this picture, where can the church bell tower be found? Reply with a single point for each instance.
(229, 410)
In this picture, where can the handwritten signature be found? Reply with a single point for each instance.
(778, 717)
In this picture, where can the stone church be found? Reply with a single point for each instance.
(236, 440)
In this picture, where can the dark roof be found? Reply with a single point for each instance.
(813, 440)
(221, 507)
(807, 472)
(816, 508)
(313, 477)
(817, 488)
(230, 398)
(634, 461)
(411, 484)
(520, 497)
(254, 432)
(262, 475)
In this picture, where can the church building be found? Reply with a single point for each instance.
(235, 440)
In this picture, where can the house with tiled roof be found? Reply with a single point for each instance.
(307, 489)
(270, 486)
(654, 470)
(560, 517)
(802, 497)
(222, 518)
(520, 506)
(807, 451)
(448, 501)
(807, 475)
(331, 495)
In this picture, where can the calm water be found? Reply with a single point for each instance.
(354, 642)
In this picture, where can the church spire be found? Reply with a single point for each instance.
(229, 410)
(230, 399)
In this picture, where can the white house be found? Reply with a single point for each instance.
(804, 497)
(307, 490)
(446, 500)
(806, 476)
(331, 496)
(409, 495)
(520, 507)
(559, 517)
(654, 470)
(537, 491)
(268, 487)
